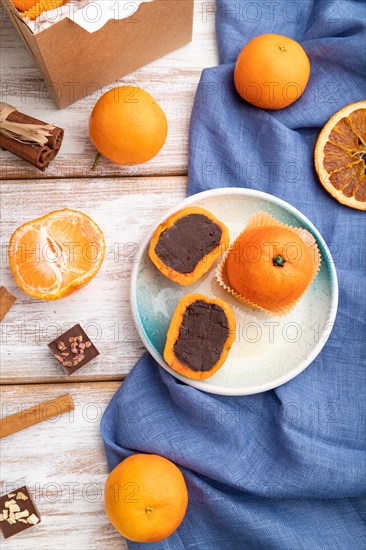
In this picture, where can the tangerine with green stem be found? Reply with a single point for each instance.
(271, 266)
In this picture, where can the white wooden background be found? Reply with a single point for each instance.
(63, 461)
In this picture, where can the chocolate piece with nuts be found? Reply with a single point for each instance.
(73, 349)
(17, 512)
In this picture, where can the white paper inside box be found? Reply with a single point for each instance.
(75, 62)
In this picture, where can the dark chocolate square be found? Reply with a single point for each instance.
(75, 354)
(14, 504)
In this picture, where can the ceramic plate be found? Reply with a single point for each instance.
(268, 351)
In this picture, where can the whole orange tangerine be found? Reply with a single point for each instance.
(272, 71)
(270, 265)
(146, 498)
(128, 126)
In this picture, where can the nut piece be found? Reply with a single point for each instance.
(61, 346)
(88, 344)
(67, 364)
(78, 359)
(72, 339)
(65, 354)
(11, 521)
(4, 515)
(59, 358)
(23, 520)
(23, 514)
(14, 508)
(33, 520)
(21, 496)
(11, 495)
(9, 503)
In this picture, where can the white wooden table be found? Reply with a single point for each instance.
(63, 461)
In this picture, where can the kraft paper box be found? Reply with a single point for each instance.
(76, 62)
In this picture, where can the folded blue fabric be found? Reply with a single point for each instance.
(282, 470)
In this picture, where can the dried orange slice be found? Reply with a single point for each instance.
(340, 155)
(52, 256)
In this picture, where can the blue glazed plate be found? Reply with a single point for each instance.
(268, 351)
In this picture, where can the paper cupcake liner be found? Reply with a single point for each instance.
(260, 219)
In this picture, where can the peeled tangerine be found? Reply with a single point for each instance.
(270, 265)
(52, 256)
(146, 498)
(128, 126)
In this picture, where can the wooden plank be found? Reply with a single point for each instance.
(172, 80)
(62, 462)
(125, 209)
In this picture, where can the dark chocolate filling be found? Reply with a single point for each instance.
(186, 242)
(202, 336)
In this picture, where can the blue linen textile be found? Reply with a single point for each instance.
(282, 470)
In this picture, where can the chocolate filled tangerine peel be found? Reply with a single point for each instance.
(206, 261)
(174, 332)
(340, 156)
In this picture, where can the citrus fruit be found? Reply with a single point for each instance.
(272, 71)
(270, 266)
(35, 9)
(340, 155)
(52, 256)
(24, 5)
(146, 498)
(128, 126)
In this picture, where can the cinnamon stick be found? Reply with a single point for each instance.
(17, 135)
(29, 417)
(6, 301)
(38, 155)
(57, 134)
